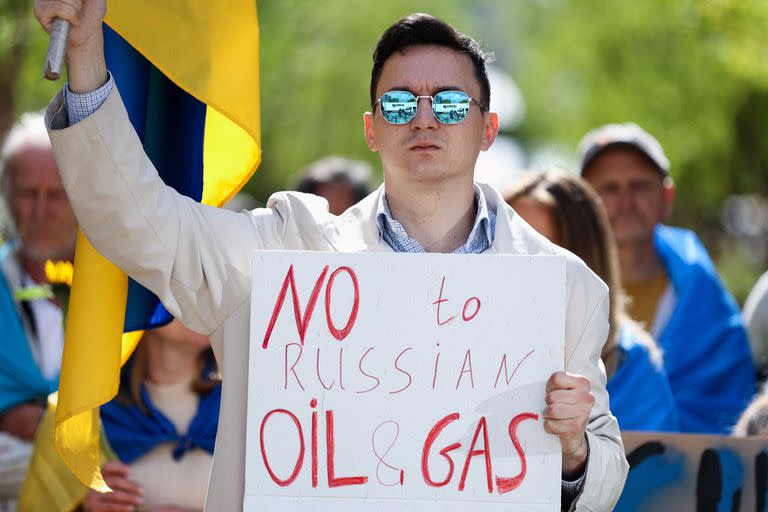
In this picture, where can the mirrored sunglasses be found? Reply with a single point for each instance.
(449, 107)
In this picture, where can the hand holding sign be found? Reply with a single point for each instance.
(418, 378)
(569, 403)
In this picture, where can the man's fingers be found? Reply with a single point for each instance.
(565, 427)
(48, 10)
(565, 412)
(563, 380)
(566, 396)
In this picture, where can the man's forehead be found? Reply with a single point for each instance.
(427, 69)
(623, 163)
(34, 163)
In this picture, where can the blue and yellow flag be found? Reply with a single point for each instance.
(188, 73)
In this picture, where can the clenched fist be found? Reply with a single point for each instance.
(85, 46)
(569, 404)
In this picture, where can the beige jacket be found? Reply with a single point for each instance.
(197, 259)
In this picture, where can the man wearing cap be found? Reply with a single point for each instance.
(670, 280)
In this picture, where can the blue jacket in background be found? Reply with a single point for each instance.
(640, 394)
(20, 377)
(706, 352)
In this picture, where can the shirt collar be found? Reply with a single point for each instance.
(394, 233)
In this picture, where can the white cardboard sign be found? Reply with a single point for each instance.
(403, 381)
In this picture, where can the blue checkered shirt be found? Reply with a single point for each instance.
(80, 106)
(480, 238)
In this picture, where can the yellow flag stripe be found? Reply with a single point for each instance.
(92, 321)
(230, 157)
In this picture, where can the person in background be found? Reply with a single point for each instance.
(756, 320)
(342, 182)
(566, 210)
(31, 325)
(162, 424)
(157, 434)
(673, 287)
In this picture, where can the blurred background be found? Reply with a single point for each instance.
(692, 72)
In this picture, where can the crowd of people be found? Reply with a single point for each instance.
(677, 353)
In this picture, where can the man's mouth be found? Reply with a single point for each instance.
(425, 146)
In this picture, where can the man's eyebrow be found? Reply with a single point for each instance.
(434, 91)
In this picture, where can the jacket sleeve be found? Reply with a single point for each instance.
(195, 258)
(587, 319)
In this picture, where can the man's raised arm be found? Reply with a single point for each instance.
(194, 257)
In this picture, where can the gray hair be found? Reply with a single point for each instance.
(29, 129)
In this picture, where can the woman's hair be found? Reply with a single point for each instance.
(583, 228)
(135, 372)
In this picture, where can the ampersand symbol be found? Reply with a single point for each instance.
(386, 452)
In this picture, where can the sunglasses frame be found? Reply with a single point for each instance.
(482, 107)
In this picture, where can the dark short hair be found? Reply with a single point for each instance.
(424, 29)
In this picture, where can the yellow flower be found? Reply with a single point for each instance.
(59, 272)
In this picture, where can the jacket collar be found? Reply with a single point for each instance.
(356, 229)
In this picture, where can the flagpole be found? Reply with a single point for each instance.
(57, 47)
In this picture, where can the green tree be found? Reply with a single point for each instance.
(692, 72)
(23, 44)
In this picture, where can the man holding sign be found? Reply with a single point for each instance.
(429, 119)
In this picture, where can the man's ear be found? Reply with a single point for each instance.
(370, 135)
(669, 197)
(490, 130)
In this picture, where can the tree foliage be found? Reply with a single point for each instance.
(692, 72)
(23, 44)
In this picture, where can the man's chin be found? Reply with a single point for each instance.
(429, 171)
(631, 231)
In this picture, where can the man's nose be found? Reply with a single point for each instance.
(424, 118)
(40, 205)
(626, 200)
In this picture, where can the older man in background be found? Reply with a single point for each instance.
(670, 280)
(32, 329)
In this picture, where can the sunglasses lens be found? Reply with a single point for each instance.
(398, 107)
(451, 107)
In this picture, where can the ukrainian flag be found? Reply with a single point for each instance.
(188, 73)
